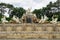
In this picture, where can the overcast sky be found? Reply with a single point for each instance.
(34, 4)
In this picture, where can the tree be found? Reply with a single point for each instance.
(1, 16)
(38, 12)
(7, 5)
(18, 12)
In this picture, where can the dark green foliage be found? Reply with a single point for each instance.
(1, 16)
(18, 12)
(59, 17)
(7, 5)
(8, 19)
(38, 13)
(45, 11)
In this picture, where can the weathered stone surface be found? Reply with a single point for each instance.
(8, 28)
(19, 29)
(30, 31)
(49, 29)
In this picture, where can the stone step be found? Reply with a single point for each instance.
(26, 35)
(29, 32)
(29, 39)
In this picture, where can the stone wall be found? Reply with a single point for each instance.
(30, 30)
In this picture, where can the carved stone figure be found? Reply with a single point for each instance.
(28, 17)
(54, 20)
(4, 20)
(43, 19)
(16, 19)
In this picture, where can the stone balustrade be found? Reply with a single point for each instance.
(29, 30)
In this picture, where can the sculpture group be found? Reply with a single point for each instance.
(28, 17)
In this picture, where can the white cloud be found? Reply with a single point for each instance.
(35, 4)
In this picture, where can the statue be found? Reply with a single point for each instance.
(5, 11)
(28, 12)
(54, 20)
(15, 18)
(28, 17)
(4, 20)
(43, 19)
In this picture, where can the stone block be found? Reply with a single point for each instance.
(18, 29)
(57, 28)
(3, 36)
(49, 29)
(8, 28)
(57, 35)
(1, 29)
(29, 29)
(39, 29)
